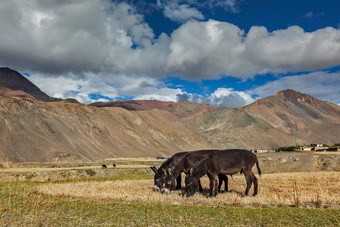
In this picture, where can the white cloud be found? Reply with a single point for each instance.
(81, 36)
(310, 14)
(192, 8)
(74, 87)
(69, 36)
(320, 84)
(82, 39)
(209, 49)
(227, 5)
(139, 87)
(110, 86)
(182, 12)
(222, 97)
(161, 94)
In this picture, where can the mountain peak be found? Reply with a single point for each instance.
(13, 80)
(292, 95)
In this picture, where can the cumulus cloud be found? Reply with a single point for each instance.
(138, 87)
(222, 97)
(321, 84)
(110, 41)
(184, 10)
(82, 36)
(109, 87)
(73, 87)
(181, 13)
(69, 36)
(208, 49)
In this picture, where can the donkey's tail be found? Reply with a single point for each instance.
(258, 167)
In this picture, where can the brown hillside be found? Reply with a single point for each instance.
(44, 132)
(6, 92)
(288, 118)
(179, 109)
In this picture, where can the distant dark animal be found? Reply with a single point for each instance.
(159, 178)
(104, 166)
(223, 162)
(183, 165)
(114, 165)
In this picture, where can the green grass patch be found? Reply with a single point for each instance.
(22, 205)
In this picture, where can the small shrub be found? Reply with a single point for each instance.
(90, 172)
(29, 176)
(289, 148)
(65, 174)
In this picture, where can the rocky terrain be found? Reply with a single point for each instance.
(34, 130)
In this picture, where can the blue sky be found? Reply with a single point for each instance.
(219, 52)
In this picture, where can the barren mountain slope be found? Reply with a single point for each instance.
(36, 131)
(288, 118)
(15, 81)
(179, 109)
(15, 94)
(301, 116)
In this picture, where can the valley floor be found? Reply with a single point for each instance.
(123, 196)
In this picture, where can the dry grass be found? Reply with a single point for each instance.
(137, 159)
(326, 152)
(45, 169)
(315, 189)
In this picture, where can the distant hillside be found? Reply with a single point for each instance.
(289, 117)
(32, 131)
(14, 81)
(180, 109)
(58, 131)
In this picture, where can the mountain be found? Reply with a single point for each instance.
(179, 109)
(15, 82)
(48, 132)
(287, 118)
(33, 131)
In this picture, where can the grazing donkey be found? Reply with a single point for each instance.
(183, 165)
(159, 178)
(223, 162)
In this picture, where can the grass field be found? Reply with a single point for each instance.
(285, 199)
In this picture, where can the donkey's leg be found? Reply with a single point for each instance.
(220, 181)
(179, 181)
(221, 178)
(211, 186)
(255, 182)
(225, 183)
(200, 186)
(215, 186)
(248, 176)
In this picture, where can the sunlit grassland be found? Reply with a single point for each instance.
(128, 200)
(311, 189)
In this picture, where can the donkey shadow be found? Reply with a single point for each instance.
(206, 192)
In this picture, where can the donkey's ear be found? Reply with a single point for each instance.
(154, 169)
(191, 170)
(169, 171)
